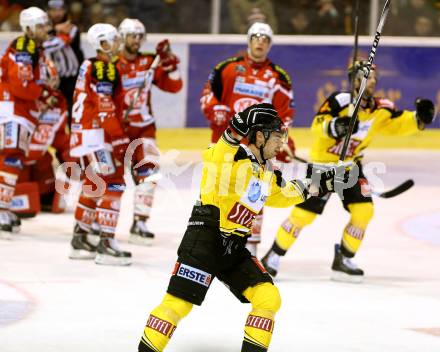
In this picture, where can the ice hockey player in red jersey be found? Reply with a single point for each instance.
(22, 99)
(239, 82)
(35, 189)
(138, 74)
(98, 139)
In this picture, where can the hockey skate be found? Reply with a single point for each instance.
(9, 223)
(81, 247)
(271, 262)
(110, 254)
(344, 270)
(139, 233)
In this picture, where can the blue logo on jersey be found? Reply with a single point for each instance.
(24, 58)
(104, 88)
(254, 192)
(250, 89)
(116, 187)
(13, 162)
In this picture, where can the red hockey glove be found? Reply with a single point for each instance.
(168, 61)
(219, 114)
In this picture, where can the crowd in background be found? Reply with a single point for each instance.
(325, 17)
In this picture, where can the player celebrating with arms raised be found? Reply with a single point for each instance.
(330, 126)
(237, 180)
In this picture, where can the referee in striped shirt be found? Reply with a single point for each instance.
(63, 47)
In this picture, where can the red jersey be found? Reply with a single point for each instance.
(20, 82)
(50, 131)
(239, 82)
(138, 113)
(95, 121)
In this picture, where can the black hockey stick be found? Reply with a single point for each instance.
(396, 190)
(355, 52)
(366, 70)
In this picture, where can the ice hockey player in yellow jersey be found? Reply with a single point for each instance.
(237, 180)
(329, 127)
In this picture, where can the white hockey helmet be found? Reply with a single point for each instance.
(131, 26)
(31, 17)
(260, 29)
(101, 32)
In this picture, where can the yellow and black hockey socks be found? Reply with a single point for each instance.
(162, 322)
(289, 230)
(361, 214)
(266, 301)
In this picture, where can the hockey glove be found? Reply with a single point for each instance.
(220, 114)
(338, 127)
(256, 114)
(168, 61)
(322, 179)
(425, 110)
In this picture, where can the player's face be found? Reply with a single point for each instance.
(133, 42)
(371, 83)
(41, 32)
(259, 47)
(56, 15)
(274, 144)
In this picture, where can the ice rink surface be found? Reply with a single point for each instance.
(52, 304)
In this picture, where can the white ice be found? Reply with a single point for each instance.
(52, 304)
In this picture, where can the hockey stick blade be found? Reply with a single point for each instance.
(396, 190)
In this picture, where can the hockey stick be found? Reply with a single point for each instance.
(355, 53)
(146, 84)
(366, 70)
(395, 191)
(403, 187)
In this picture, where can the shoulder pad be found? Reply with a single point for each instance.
(383, 103)
(26, 44)
(284, 76)
(103, 71)
(335, 103)
(146, 54)
(223, 64)
(241, 154)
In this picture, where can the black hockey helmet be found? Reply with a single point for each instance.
(267, 126)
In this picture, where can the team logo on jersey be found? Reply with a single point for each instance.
(241, 215)
(133, 82)
(23, 58)
(254, 192)
(243, 103)
(104, 88)
(240, 69)
(20, 202)
(267, 74)
(193, 274)
(250, 89)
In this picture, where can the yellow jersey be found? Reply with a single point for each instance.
(381, 117)
(234, 181)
